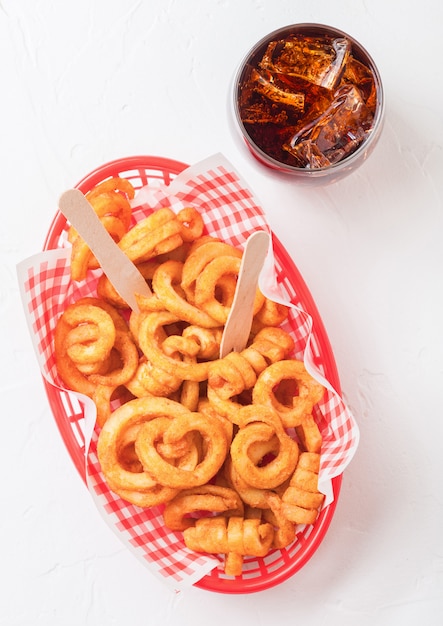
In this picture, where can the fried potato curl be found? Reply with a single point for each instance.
(229, 447)
(110, 200)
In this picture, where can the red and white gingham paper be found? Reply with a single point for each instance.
(231, 212)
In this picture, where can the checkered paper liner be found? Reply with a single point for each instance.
(230, 212)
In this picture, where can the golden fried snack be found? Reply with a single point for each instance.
(205, 407)
(103, 397)
(110, 200)
(151, 335)
(207, 286)
(152, 381)
(90, 335)
(121, 431)
(116, 315)
(114, 184)
(208, 340)
(162, 379)
(233, 564)
(93, 347)
(178, 426)
(127, 351)
(299, 402)
(190, 394)
(237, 372)
(166, 283)
(192, 224)
(206, 498)
(252, 496)
(106, 291)
(301, 500)
(161, 233)
(165, 470)
(274, 344)
(114, 211)
(227, 378)
(309, 434)
(284, 529)
(226, 535)
(81, 257)
(202, 252)
(270, 314)
(178, 254)
(156, 234)
(258, 425)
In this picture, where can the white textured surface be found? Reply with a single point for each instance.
(89, 81)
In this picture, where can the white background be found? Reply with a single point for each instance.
(86, 82)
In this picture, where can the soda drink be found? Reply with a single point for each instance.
(308, 98)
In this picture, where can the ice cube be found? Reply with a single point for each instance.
(318, 60)
(336, 133)
(269, 86)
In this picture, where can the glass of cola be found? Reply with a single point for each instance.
(309, 102)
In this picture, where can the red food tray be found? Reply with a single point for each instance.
(259, 573)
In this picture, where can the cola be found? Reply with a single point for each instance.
(307, 100)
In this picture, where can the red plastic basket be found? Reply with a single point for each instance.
(259, 573)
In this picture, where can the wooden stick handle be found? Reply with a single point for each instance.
(239, 322)
(120, 270)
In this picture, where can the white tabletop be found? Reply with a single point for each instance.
(87, 82)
